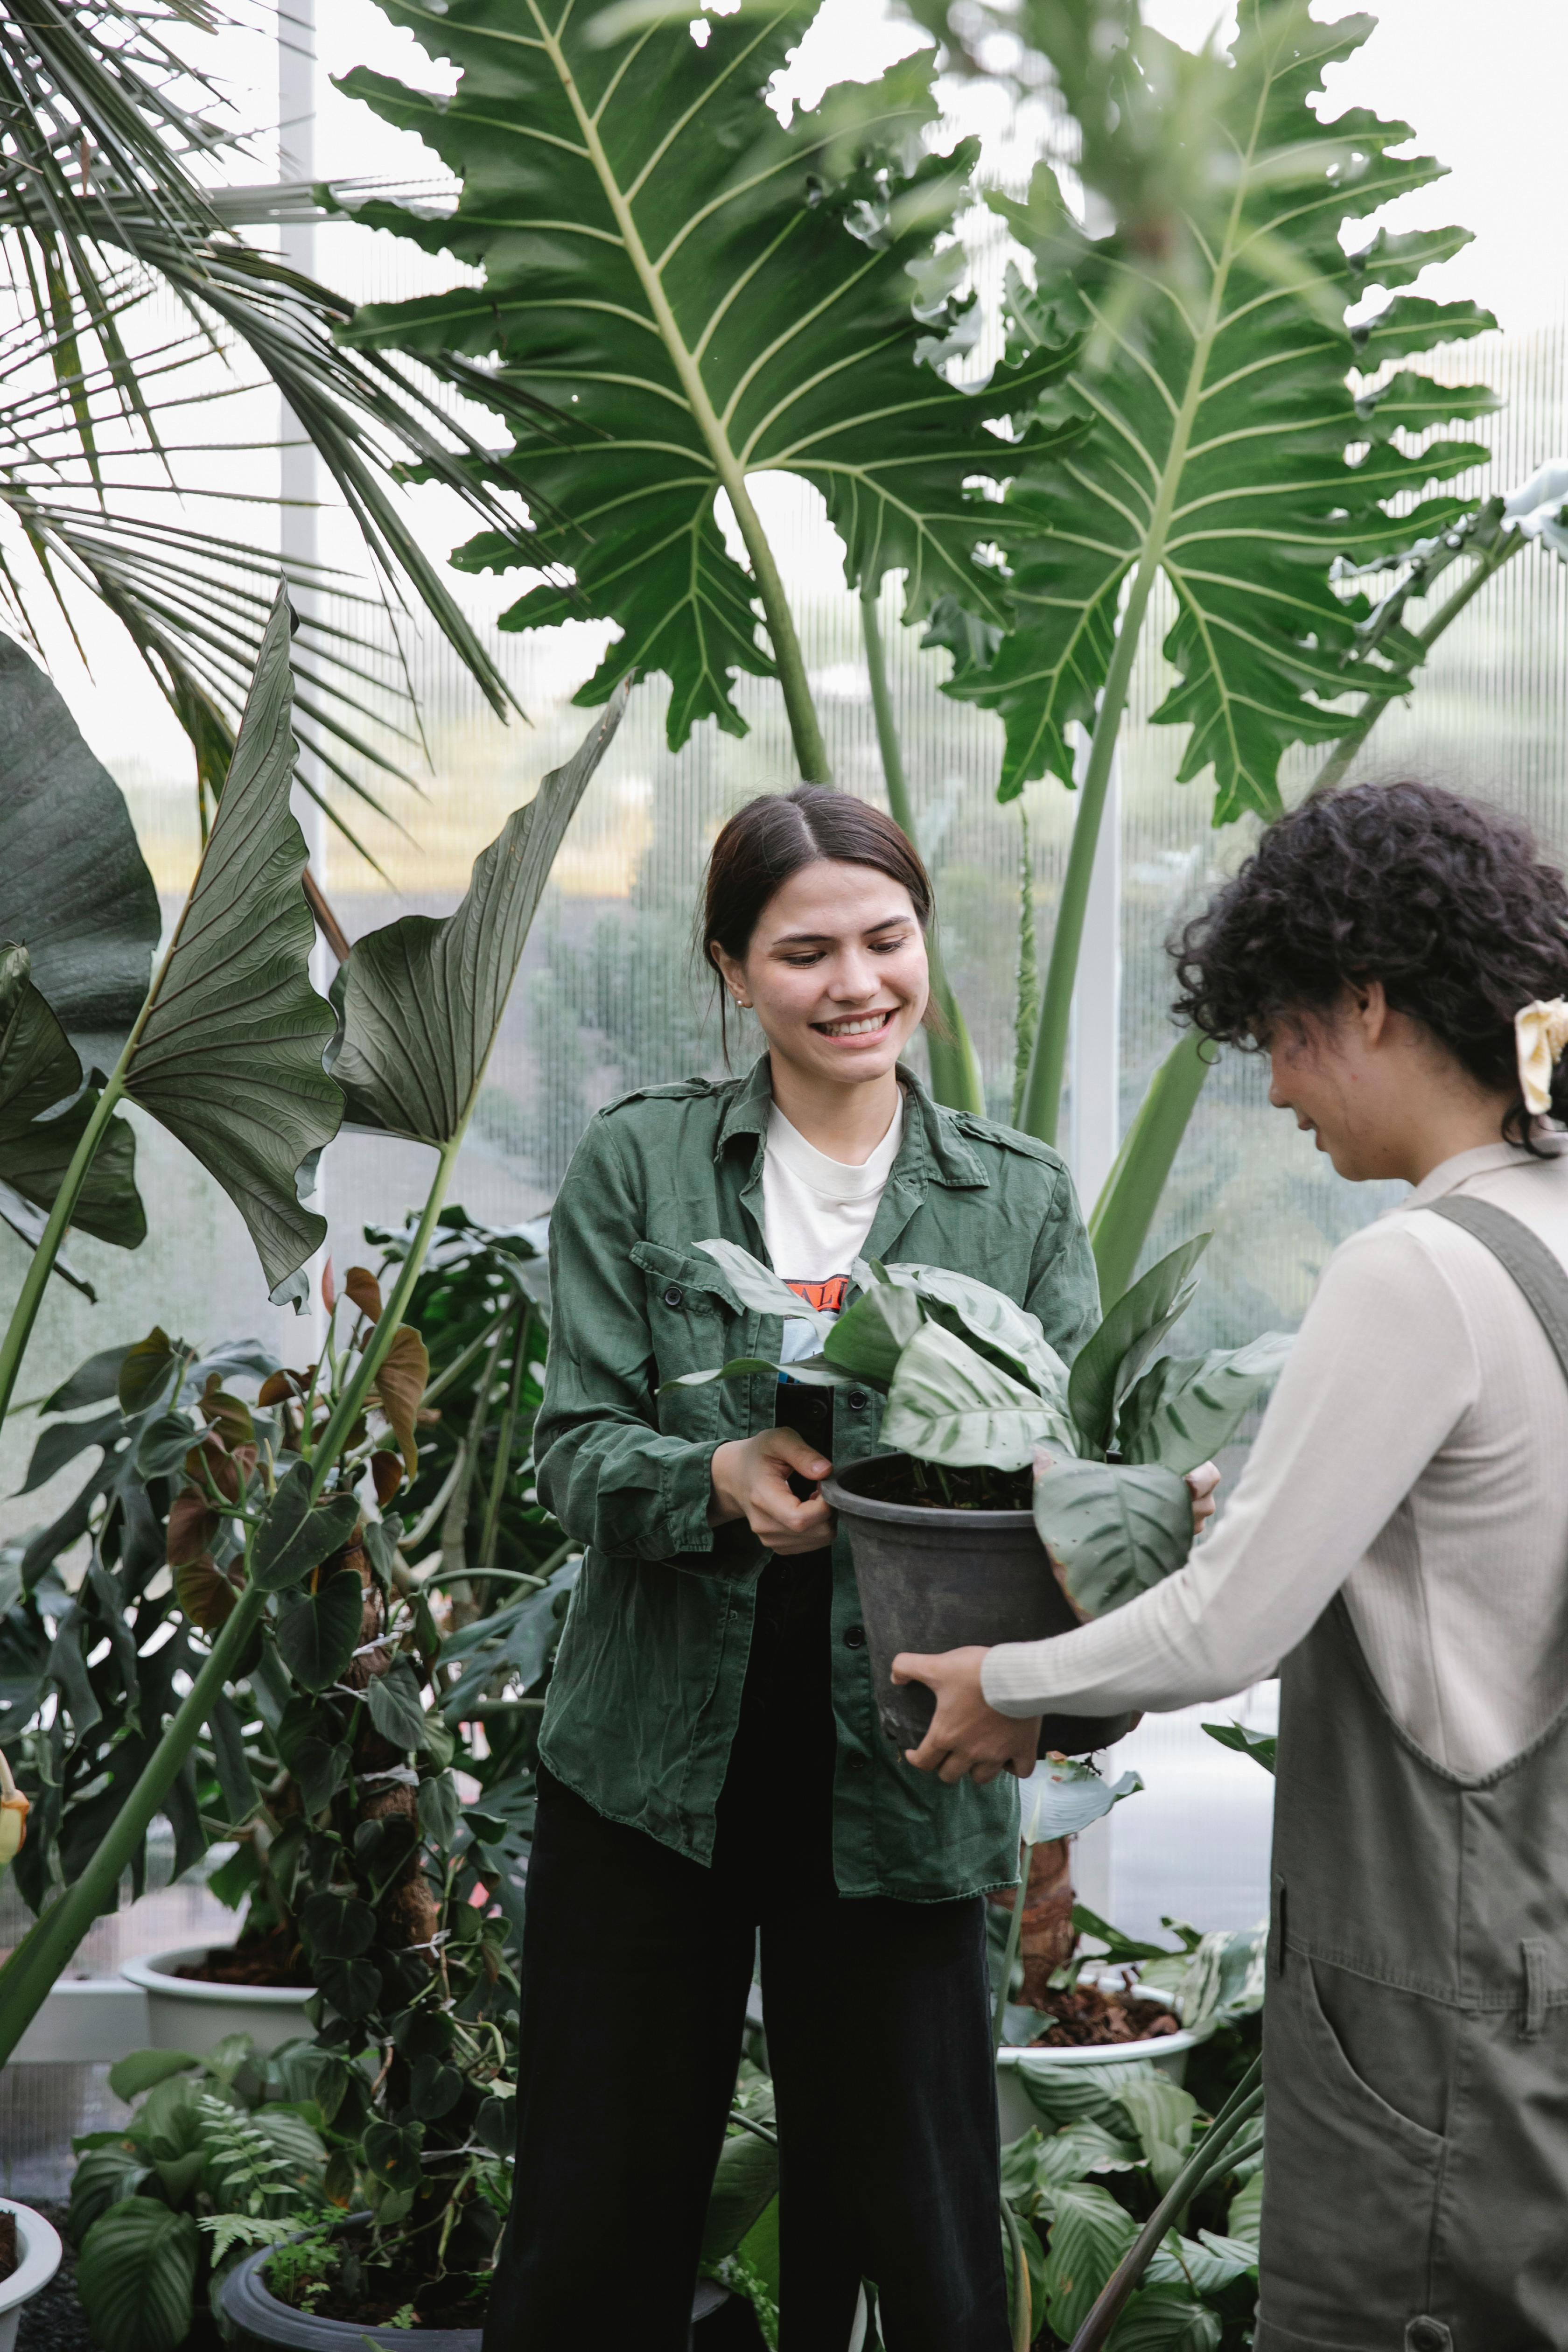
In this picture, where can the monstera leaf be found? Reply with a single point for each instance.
(1228, 448)
(421, 1000)
(227, 1055)
(44, 1108)
(73, 884)
(707, 295)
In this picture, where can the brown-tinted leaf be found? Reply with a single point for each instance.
(192, 1526)
(399, 1386)
(329, 1287)
(278, 1388)
(228, 1471)
(226, 1414)
(204, 1593)
(387, 1472)
(363, 1288)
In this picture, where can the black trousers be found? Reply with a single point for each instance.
(637, 1965)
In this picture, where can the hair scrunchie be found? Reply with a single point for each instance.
(1541, 1032)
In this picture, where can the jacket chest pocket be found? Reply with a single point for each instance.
(695, 1323)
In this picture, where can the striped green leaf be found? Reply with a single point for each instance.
(1231, 452)
(702, 296)
(1089, 2234)
(1114, 1529)
(1108, 1364)
(950, 1405)
(1186, 1407)
(756, 1285)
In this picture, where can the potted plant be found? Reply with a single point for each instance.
(29, 2257)
(955, 1538)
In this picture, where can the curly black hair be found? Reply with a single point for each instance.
(1447, 902)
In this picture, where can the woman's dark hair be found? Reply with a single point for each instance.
(1448, 903)
(777, 834)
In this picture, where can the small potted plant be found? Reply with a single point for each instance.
(1020, 1496)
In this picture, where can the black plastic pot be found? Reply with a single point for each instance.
(258, 2321)
(936, 1580)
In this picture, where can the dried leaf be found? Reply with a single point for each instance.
(399, 1386)
(280, 1388)
(361, 1286)
(387, 1472)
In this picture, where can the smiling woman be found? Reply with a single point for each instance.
(712, 1760)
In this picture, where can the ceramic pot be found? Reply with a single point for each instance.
(37, 2259)
(183, 2013)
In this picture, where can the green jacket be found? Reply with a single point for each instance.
(646, 1689)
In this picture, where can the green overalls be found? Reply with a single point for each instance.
(1415, 2028)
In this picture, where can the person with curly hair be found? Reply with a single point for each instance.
(1399, 1539)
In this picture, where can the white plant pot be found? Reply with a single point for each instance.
(1016, 2112)
(38, 2252)
(183, 2013)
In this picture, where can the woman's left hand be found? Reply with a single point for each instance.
(1201, 1485)
(967, 1739)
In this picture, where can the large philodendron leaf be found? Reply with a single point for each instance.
(421, 1000)
(1111, 1360)
(44, 1106)
(229, 1053)
(1114, 1529)
(74, 886)
(707, 295)
(1186, 1407)
(1232, 454)
(949, 1404)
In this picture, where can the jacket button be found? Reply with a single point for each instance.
(674, 1296)
(855, 1763)
(854, 1637)
(1429, 2335)
(857, 1400)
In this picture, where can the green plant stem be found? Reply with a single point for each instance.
(1023, 2313)
(503, 1438)
(810, 750)
(1015, 1930)
(1201, 2167)
(1118, 1225)
(30, 1298)
(351, 1404)
(1337, 765)
(46, 1948)
(955, 1072)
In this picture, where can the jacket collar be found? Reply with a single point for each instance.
(932, 1148)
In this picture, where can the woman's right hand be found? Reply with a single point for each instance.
(750, 1481)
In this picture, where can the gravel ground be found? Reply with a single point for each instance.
(52, 2322)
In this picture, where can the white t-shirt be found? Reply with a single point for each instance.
(816, 1213)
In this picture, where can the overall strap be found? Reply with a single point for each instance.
(1539, 1274)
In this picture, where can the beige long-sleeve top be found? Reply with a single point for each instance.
(1415, 1452)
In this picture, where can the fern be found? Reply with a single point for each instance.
(244, 2168)
(230, 2230)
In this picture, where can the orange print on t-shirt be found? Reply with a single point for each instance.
(827, 1298)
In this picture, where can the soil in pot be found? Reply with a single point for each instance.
(54, 2321)
(7, 2245)
(274, 1957)
(1099, 2016)
(335, 2281)
(900, 1478)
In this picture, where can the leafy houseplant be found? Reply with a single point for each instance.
(974, 1394)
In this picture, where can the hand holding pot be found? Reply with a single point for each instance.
(750, 1481)
(967, 1739)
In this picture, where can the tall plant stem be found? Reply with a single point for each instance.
(30, 1298)
(1337, 765)
(1022, 2293)
(955, 1073)
(810, 750)
(1201, 2167)
(46, 1948)
(351, 1404)
(1015, 1932)
(497, 1494)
